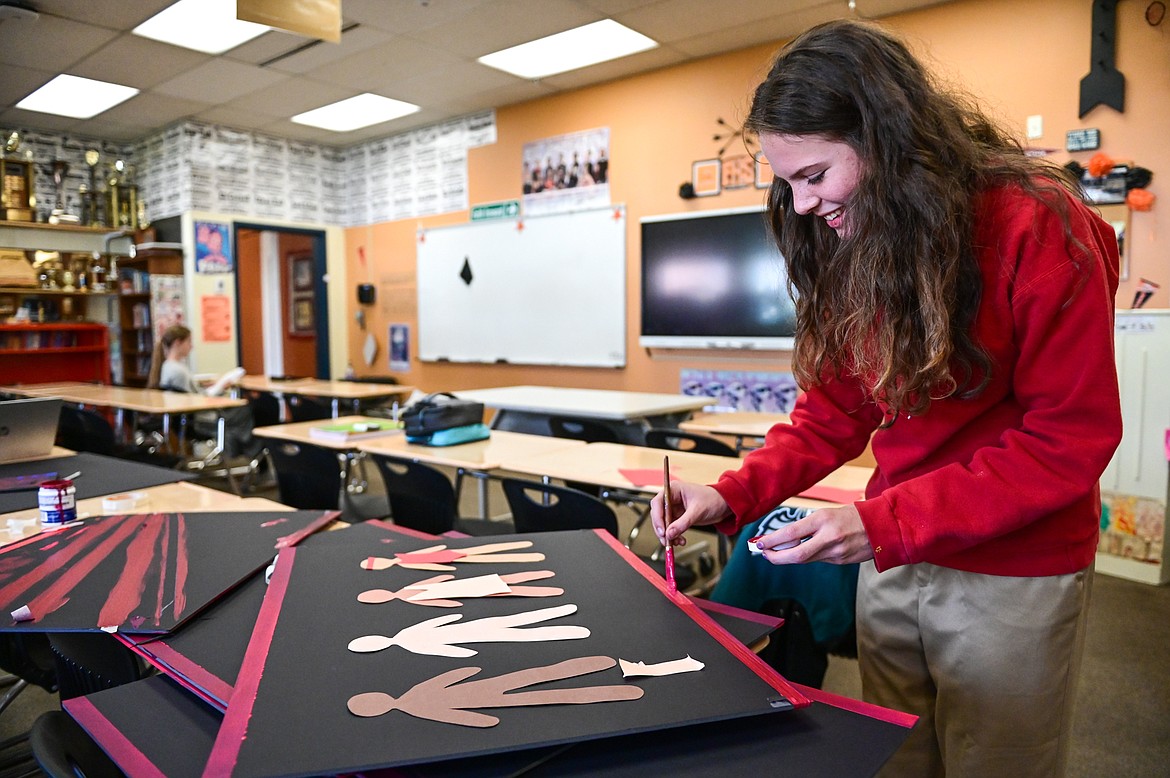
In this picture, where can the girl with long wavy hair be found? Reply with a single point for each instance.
(954, 311)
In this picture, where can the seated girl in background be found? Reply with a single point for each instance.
(169, 371)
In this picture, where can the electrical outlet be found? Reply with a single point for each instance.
(1035, 127)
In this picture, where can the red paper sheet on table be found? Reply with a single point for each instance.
(646, 476)
(833, 494)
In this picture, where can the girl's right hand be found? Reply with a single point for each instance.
(691, 505)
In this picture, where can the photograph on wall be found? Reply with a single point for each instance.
(300, 317)
(1106, 189)
(400, 347)
(566, 172)
(741, 390)
(213, 248)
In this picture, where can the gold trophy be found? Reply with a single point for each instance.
(17, 198)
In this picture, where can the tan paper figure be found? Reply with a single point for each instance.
(437, 557)
(439, 636)
(415, 593)
(444, 699)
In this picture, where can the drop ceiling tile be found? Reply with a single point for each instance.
(218, 81)
(20, 118)
(353, 42)
(240, 118)
(289, 97)
(49, 43)
(115, 131)
(616, 68)
(681, 19)
(115, 14)
(20, 82)
(505, 23)
(264, 47)
(139, 62)
(402, 17)
(378, 69)
(161, 109)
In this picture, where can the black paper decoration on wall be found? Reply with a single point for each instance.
(1104, 84)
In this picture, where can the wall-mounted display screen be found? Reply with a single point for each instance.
(714, 280)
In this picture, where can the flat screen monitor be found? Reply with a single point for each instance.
(714, 280)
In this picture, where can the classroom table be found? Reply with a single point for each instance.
(628, 414)
(736, 424)
(353, 391)
(136, 400)
(179, 496)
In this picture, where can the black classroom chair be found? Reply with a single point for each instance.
(64, 750)
(308, 477)
(540, 507)
(422, 498)
(89, 662)
(681, 440)
(308, 409)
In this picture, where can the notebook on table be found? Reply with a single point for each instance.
(28, 427)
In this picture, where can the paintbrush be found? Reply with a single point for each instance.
(671, 586)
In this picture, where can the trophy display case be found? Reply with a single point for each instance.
(17, 197)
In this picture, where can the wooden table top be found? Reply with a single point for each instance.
(481, 455)
(300, 432)
(737, 423)
(602, 463)
(127, 397)
(590, 403)
(178, 496)
(316, 387)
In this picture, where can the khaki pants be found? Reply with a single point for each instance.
(988, 662)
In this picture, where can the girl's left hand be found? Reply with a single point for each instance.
(833, 535)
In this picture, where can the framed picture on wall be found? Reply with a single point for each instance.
(706, 177)
(301, 273)
(763, 172)
(300, 317)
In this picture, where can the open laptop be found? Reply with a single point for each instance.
(28, 427)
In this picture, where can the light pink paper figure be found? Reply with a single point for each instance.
(416, 593)
(439, 636)
(436, 557)
(444, 699)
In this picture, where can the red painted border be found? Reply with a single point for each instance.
(113, 742)
(888, 715)
(326, 519)
(725, 638)
(739, 613)
(234, 729)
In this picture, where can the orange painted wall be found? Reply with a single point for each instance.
(1019, 57)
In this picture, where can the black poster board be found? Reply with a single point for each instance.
(311, 613)
(154, 727)
(140, 573)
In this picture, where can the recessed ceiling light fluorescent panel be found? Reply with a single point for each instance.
(209, 26)
(76, 97)
(570, 50)
(356, 112)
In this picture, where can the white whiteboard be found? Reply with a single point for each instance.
(546, 290)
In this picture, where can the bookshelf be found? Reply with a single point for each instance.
(135, 313)
(42, 353)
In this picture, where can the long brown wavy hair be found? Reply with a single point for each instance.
(894, 300)
(170, 336)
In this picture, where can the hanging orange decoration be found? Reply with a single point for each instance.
(1140, 199)
(1100, 164)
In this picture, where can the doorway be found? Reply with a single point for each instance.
(281, 301)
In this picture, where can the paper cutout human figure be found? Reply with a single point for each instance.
(446, 698)
(439, 636)
(436, 557)
(426, 592)
(673, 667)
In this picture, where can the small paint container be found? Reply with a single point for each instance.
(58, 502)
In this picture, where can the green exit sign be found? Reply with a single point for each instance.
(508, 209)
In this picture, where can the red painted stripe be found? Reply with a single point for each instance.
(326, 519)
(164, 559)
(725, 638)
(234, 729)
(126, 595)
(739, 613)
(60, 559)
(110, 738)
(55, 595)
(887, 715)
(181, 567)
